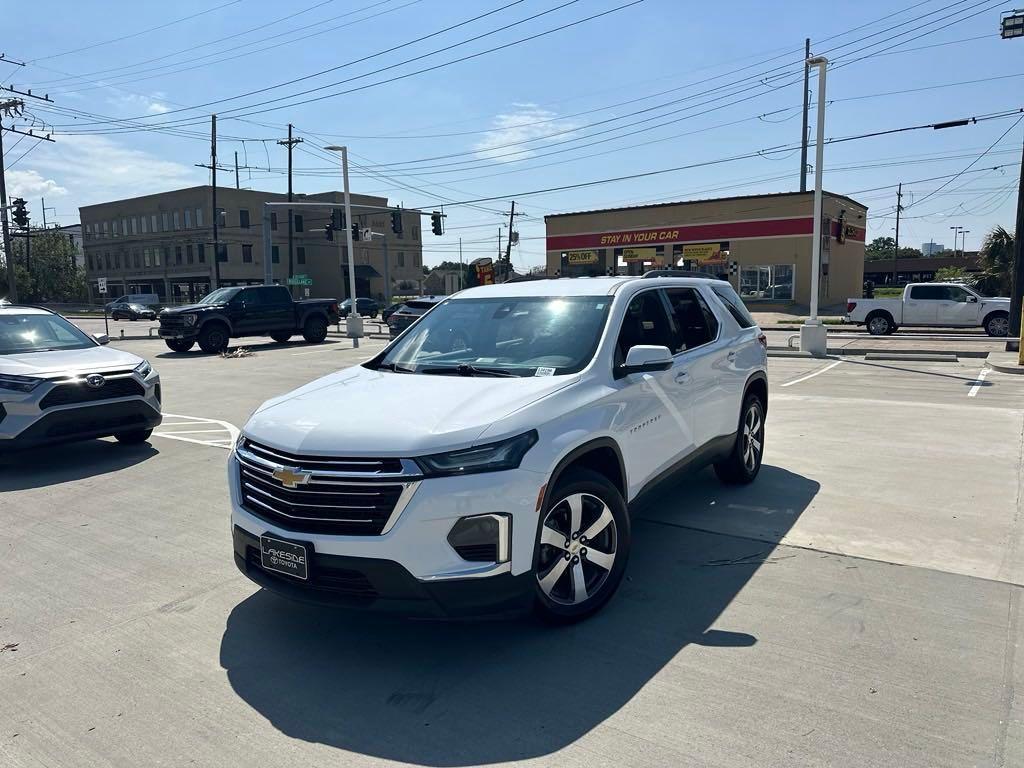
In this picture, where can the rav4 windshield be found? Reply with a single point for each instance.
(527, 336)
(39, 333)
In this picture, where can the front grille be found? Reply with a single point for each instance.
(99, 424)
(79, 392)
(172, 321)
(331, 502)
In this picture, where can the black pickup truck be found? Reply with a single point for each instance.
(255, 310)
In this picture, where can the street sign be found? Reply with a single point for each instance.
(300, 280)
(102, 283)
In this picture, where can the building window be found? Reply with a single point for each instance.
(275, 254)
(188, 219)
(221, 216)
(177, 220)
(199, 217)
(105, 228)
(300, 255)
(117, 260)
(273, 220)
(152, 224)
(177, 254)
(137, 259)
(222, 256)
(88, 261)
(135, 225)
(156, 257)
(401, 258)
(143, 222)
(189, 256)
(145, 257)
(247, 254)
(165, 221)
(201, 251)
(243, 218)
(415, 233)
(298, 223)
(772, 282)
(124, 226)
(114, 228)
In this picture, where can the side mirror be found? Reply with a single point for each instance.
(101, 338)
(972, 299)
(644, 358)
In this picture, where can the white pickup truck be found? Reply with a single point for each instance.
(943, 305)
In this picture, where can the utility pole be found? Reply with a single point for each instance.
(290, 143)
(12, 288)
(497, 271)
(803, 134)
(216, 215)
(896, 250)
(462, 269)
(237, 186)
(508, 246)
(813, 337)
(1013, 337)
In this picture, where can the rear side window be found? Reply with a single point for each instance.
(645, 322)
(734, 305)
(930, 293)
(694, 324)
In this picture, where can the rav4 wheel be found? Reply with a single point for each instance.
(582, 547)
(180, 345)
(744, 462)
(213, 338)
(315, 330)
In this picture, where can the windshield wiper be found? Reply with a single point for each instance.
(394, 368)
(465, 369)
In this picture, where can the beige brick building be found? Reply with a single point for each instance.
(763, 242)
(163, 244)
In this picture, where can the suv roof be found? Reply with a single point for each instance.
(23, 309)
(576, 286)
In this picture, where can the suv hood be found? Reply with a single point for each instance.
(192, 308)
(361, 412)
(70, 360)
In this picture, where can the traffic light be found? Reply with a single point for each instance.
(396, 221)
(435, 223)
(355, 232)
(329, 231)
(20, 212)
(337, 219)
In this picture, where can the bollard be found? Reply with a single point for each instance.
(1020, 349)
(122, 333)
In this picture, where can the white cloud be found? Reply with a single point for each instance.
(152, 104)
(32, 184)
(521, 124)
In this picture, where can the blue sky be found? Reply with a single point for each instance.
(658, 84)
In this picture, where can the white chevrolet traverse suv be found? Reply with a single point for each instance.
(484, 462)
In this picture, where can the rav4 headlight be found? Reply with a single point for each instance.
(492, 457)
(19, 383)
(143, 368)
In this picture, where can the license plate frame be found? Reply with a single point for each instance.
(289, 558)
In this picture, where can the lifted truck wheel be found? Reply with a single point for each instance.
(213, 338)
(281, 336)
(179, 345)
(315, 330)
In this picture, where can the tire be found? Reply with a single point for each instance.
(315, 329)
(605, 520)
(997, 324)
(744, 461)
(179, 345)
(281, 336)
(880, 324)
(134, 437)
(213, 338)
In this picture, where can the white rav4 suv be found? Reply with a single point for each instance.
(483, 463)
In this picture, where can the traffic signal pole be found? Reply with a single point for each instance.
(12, 287)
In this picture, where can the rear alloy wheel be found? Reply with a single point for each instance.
(134, 437)
(880, 325)
(213, 338)
(998, 325)
(744, 462)
(179, 345)
(582, 547)
(315, 330)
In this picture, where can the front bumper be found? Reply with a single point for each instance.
(412, 568)
(178, 333)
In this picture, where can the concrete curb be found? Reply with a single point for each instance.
(908, 354)
(925, 357)
(1004, 362)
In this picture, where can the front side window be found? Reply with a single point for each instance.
(39, 333)
(957, 294)
(772, 282)
(693, 322)
(645, 322)
(529, 336)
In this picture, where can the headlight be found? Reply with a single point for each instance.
(143, 368)
(190, 319)
(492, 457)
(19, 383)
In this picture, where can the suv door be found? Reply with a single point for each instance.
(922, 306)
(653, 425)
(276, 307)
(703, 361)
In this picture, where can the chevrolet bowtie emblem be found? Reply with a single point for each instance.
(291, 478)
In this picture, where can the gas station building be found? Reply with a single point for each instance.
(761, 242)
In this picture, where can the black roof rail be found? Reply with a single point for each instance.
(679, 273)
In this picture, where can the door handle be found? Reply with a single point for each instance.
(731, 357)
(681, 377)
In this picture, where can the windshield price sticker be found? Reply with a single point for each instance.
(542, 371)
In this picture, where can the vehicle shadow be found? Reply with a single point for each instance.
(445, 694)
(196, 352)
(55, 464)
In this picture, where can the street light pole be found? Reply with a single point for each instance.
(813, 337)
(353, 323)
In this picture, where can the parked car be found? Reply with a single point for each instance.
(410, 312)
(385, 314)
(133, 312)
(939, 305)
(58, 384)
(146, 299)
(366, 307)
(496, 476)
(260, 310)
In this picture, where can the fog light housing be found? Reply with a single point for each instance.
(482, 538)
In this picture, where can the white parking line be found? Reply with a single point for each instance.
(225, 432)
(812, 375)
(978, 382)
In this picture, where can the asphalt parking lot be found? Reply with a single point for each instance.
(858, 605)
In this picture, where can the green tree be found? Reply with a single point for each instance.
(946, 274)
(996, 260)
(468, 271)
(879, 248)
(54, 277)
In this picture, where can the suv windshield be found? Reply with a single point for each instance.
(528, 336)
(220, 296)
(39, 333)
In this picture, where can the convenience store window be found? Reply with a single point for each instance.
(770, 282)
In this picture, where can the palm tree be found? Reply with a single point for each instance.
(996, 260)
